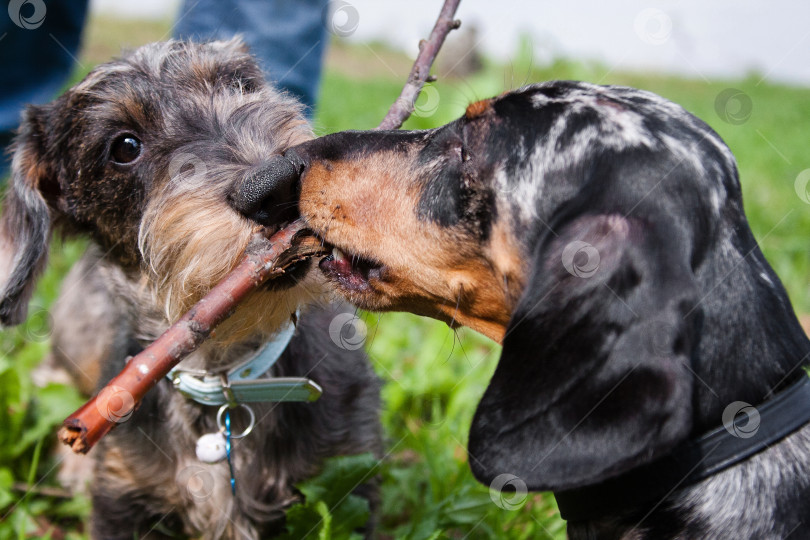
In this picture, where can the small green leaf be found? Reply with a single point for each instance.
(330, 509)
(6, 482)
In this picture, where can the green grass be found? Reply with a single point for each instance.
(433, 377)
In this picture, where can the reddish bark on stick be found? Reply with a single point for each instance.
(404, 105)
(263, 259)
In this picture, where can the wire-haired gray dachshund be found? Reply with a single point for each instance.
(141, 157)
(652, 367)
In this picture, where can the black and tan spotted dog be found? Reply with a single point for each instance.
(599, 234)
(140, 157)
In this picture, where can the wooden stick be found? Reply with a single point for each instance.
(264, 259)
(404, 105)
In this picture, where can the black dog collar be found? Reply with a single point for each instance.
(644, 487)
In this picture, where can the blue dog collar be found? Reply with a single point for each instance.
(242, 384)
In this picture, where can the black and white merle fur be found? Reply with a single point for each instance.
(599, 233)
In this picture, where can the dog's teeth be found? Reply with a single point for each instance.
(337, 254)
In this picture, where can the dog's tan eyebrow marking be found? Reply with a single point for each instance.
(478, 108)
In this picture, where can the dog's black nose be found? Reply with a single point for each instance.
(269, 193)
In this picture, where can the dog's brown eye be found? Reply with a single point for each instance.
(125, 148)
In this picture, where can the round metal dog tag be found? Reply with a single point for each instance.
(211, 447)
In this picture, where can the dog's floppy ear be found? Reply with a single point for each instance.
(594, 377)
(25, 226)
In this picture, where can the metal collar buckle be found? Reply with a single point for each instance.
(241, 384)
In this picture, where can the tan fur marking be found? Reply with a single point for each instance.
(368, 208)
(507, 260)
(478, 108)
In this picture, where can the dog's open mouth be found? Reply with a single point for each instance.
(293, 275)
(297, 271)
(350, 272)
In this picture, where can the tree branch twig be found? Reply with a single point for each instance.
(428, 49)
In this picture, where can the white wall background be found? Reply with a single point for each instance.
(698, 38)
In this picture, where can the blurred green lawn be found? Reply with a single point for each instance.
(433, 376)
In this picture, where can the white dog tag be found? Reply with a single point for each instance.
(211, 447)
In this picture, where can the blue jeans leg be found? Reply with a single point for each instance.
(39, 42)
(287, 36)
